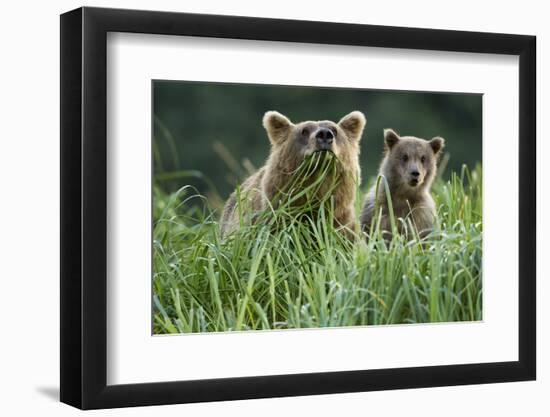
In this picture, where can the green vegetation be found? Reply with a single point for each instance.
(288, 269)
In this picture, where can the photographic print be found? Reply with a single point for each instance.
(289, 207)
(337, 204)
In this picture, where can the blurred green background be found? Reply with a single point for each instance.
(210, 135)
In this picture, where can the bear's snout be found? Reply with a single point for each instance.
(324, 138)
(415, 179)
(414, 176)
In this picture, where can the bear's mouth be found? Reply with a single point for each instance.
(414, 182)
(321, 156)
(323, 150)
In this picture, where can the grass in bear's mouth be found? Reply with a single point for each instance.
(322, 154)
(323, 151)
(312, 183)
(308, 275)
(324, 162)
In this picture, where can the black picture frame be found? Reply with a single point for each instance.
(84, 207)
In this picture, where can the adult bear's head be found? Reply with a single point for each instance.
(292, 143)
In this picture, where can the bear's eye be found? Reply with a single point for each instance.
(333, 130)
(423, 159)
(305, 131)
(405, 158)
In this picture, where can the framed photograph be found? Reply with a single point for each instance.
(257, 208)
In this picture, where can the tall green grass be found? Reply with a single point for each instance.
(290, 269)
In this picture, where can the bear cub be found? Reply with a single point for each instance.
(291, 144)
(409, 167)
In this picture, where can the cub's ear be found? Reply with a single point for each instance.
(353, 124)
(277, 126)
(390, 138)
(437, 144)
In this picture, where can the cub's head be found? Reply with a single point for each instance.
(294, 142)
(411, 162)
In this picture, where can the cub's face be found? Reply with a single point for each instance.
(411, 161)
(294, 142)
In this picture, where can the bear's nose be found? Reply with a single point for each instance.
(415, 173)
(324, 136)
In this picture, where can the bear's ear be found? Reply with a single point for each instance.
(277, 126)
(437, 144)
(390, 138)
(353, 124)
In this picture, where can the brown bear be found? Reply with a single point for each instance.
(408, 168)
(290, 145)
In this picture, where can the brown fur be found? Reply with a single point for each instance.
(290, 144)
(403, 156)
